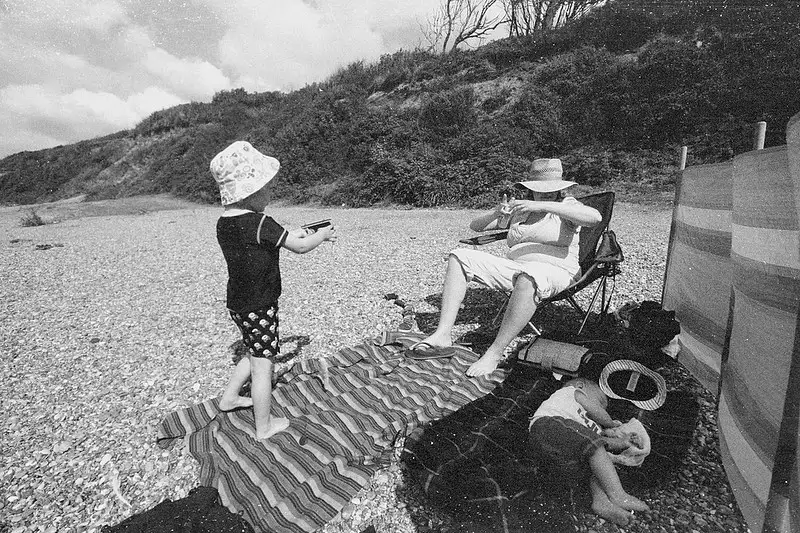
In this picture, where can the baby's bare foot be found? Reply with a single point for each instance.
(485, 365)
(613, 513)
(238, 402)
(626, 501)
(276, 425)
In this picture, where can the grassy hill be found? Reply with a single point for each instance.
(614, 94)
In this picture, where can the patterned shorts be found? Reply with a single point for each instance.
(260, 331)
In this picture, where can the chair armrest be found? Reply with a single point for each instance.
(485, 239)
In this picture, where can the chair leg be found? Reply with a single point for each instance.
(536, 331)
(600, 286)
(502, 310)
(574, 304)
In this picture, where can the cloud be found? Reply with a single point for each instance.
(191, 77)
(100, 16)
(284, 44)
(39, 112)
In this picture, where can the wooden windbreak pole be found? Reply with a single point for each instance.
(760, 135)
(673, 224)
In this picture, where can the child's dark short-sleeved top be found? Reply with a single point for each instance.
(251, 244)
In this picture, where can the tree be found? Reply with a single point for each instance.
(459, 21)
(526, 17)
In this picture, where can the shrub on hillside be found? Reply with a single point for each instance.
(596, 92)
(602, 166)
(531, 124)
(181, 116)
(356, 74)
(675, 87)
(401, 176)
(450, 112)
(618, 26)
(565, 74)
(181, 165)
(397, 68)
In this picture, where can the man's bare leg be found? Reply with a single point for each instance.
(455, 287)
(519, 311)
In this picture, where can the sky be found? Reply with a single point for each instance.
(78, 69)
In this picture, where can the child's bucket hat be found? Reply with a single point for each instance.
(628, 380)
(240, 170)
(545, 176)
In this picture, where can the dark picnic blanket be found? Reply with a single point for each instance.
(475, 465)
(338, 437)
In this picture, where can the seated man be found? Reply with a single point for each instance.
(542, 259)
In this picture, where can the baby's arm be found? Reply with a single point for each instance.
(595, 411)
(300, 241)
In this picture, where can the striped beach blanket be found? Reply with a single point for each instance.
(346, 414)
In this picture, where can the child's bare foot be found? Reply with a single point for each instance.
(626, 501)
(604, 508)
(238, 402)
(276, 425)
(485, 365)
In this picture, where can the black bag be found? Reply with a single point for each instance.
(651, 326)
(609, 250)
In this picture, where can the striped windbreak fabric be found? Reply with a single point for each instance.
(698, 279)
(753, 289)
(339, 434)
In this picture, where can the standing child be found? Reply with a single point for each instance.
(251, 242)
(567, 431)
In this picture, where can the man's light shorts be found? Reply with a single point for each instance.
(500, 273)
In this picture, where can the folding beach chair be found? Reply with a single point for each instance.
(593, 268)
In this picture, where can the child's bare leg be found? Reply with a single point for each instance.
(604, 507)
(261, 391)
(230, 398)
(606, 473)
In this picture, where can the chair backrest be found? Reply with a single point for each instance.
(590, 236)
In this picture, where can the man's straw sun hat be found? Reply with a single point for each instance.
(545, 176)
(240, 170)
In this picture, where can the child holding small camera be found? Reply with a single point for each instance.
(569, 431)
(251, 241)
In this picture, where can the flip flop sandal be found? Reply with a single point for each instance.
(423, 350)
(395, 337)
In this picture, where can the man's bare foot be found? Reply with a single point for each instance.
(626, 501)
(485, 365)
(604, 508)
(437, 341)
(276, 425)
(238, 402)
